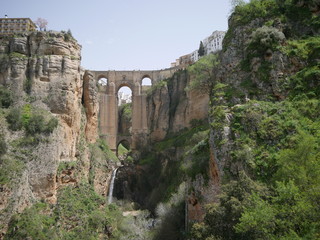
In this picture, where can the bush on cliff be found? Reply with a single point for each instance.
(203, 74)
(5, 97)
(3, 145)
(79, 214)
(31, 120)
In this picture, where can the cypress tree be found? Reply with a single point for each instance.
(201, 49)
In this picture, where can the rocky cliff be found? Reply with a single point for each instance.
(171, 107)
(263, 112)
(42, 75)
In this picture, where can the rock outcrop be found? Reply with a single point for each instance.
(171, 108)
(42, 70)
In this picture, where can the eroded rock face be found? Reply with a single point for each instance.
(91, 104)
(171, 108)
(43, 69)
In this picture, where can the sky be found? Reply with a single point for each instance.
(128, 34)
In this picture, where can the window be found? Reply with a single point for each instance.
(146, 81)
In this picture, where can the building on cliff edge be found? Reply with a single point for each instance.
(211, 44)
(16, 25)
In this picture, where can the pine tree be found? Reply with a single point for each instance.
(201, 49)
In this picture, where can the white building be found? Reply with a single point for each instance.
(213, 43)
(123, 98)
(194, 56)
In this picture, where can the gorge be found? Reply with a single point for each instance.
(226, 148)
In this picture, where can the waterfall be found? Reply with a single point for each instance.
(113, 177)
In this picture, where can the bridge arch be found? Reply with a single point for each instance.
(103, 81)
(102, 76)
(146, 80)
(125, 84)
(108, 104)
(125, 141)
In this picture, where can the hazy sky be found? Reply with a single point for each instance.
(128, 34)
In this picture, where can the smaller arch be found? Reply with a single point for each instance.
(123, 148)
(102, 80)
(146, 80)
(146, 83)
(125, 143)
(102, 83)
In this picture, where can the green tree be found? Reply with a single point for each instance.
(201, 50)
(36, 124)
(235, 3)
(292, 211)
(14, 119)
(203, 74)
(5, 97)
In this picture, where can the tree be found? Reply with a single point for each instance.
(203, 74)
(5, 97)
(41, 23)
(201, 49)
(235, 3)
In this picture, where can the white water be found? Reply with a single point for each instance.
(113, 177)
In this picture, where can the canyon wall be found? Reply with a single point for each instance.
(171, 108)
(42, 72)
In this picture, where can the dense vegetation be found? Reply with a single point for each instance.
(165, 179)
(270, 185)
(37, 125)
(79, 214)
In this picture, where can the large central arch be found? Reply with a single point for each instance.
(108, 105)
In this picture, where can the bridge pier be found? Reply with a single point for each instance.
(108, 104)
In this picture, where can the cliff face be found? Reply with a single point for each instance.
(263, 112)
(171, 108)
(43, 75)
(262, 60)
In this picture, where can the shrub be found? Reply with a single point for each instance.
(79, 214)
(35, 125)
(68, 36)
(5, 97)
(27, 85)
(265, 38)
(32, 224)
(245, 13)
(51, 125)
(14, 119)
(33, 122)
(3, 145)
(203, 74)
(9, 168)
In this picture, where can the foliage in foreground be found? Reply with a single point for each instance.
(79, 214)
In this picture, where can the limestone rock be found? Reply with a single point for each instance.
(91, 104)
(50, 64)
(170, 108)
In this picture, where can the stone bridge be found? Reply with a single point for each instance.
(108, 104)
